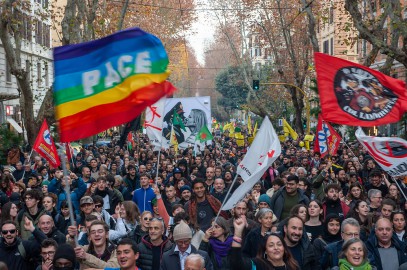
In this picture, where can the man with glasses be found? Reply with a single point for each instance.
(100, 253)
(15, 252)
(376, 182)
(375, 199)
(174, 259)
(48, 249)
(350, 228)
(285, 198)
(153, 245)
(32, 209)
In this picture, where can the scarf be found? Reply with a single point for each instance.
(215, 205)
(345, 265)
(221, 249)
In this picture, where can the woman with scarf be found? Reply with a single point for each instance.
(354, 256)
(331, 233)
(217, 242)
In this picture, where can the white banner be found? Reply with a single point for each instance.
(154, 123)
(262, 153)
(194, 112)
(389, 152)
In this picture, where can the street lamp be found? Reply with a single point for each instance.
(307, 104)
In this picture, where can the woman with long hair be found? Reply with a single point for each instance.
(313, 226)
(356, 193)
(354, 256)
(142, 228)
(394, 194)
(273, 253)
(217, 242)
(7, 184)
(128, 215)
(331, 233)
(9, 211)
(300, 211)
(360, 212)
(265, 217)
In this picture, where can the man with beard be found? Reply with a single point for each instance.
(332, 204)
(219, 191)
(33, 210)
(285, 198)
(48, 249)
(210, 178)
(228, 179)
(343, 181)
(185, 194)
(153, 246)
(131, 182)
(86, 177)
(46, 226)
(100, 253)
(240, 210)
(201, 167)
(202, 207)
(376, 182)
(284, 167)
(300, 247)
(15, 252)
(109, 197)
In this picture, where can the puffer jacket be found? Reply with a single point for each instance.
(145, 260)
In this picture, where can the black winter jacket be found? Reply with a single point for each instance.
(171, 260)
(13, 258)
(145, 260)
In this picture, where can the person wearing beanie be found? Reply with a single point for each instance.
(174, 259)
(64, 258)
(186, 193)
(264, 201)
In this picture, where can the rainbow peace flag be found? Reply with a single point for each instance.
(108, 82)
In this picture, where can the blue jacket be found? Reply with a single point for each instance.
(143, 197)
(330, 257)
(78, 189)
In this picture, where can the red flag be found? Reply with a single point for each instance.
(69, 151)
(45, 147)
(356, 95)
(327, 140)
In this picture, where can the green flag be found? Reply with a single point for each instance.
(177, 121)
(204, 134)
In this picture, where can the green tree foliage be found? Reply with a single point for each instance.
(8, 139)
(233, 88)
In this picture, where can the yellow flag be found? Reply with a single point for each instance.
(239, 139)
(173, 139)
(255, 130)
(249, 125)
(289, 130)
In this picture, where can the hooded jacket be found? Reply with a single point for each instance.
(12, 257)
(145, 260)
(277, 201)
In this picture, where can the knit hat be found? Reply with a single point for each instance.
(182, 231)
(265, 198)
(185, 187)
(65, 251)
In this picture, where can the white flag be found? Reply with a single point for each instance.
(262, 153)
(154, 123)
(389, 152)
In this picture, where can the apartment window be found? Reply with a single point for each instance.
(325, 47)
(28, 68)
(46, 75)
(331, 15)
(364, 48)
(257, 52)
(39, 74)
(8, 72)
(332, 46)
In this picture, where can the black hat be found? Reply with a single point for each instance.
(65, 251)
(177, 170)
(15, 198)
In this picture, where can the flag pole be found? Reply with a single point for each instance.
(352, 152)
(226, 197)
(68, 192)
(395, 181)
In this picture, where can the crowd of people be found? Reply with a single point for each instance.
(152, 210)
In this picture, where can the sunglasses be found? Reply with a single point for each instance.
(146, 218)
(8, 231)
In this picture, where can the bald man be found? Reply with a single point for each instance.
(194, 262)
(46, 225)
(385, 248)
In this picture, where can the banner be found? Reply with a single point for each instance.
(193, 112)
(352, 94)
(45, 147)
(262, 153)
(108, 82)
(327, 140)
(389, 152)
(154, 123)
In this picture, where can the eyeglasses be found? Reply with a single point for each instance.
(98, 206)
(146, 218)
(183, 242)
(8, 231)
(28, 198)
(48, 254)
(351, 234)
